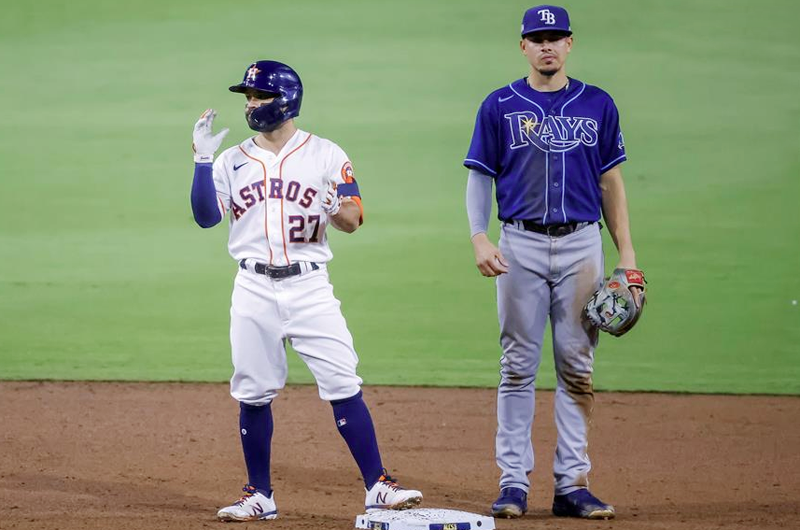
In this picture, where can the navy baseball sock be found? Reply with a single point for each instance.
(355, 426)
(255, 428)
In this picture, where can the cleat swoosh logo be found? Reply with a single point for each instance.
(501, 100)
(236, 168)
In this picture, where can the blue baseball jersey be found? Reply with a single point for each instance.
(547, 150)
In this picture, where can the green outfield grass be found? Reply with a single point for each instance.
(103, 274)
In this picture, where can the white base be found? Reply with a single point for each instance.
(424, 519)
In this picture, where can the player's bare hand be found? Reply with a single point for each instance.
(204, 143)
(331, 201)
(488, 258)
(637, 295)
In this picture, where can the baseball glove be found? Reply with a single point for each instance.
(613, 308)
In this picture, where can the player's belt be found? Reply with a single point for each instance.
(551, 230)
(278, 273)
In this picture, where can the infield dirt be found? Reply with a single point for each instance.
(152, 456)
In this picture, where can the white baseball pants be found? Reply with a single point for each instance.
(265, 313)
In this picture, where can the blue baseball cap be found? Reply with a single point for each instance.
(545, 18)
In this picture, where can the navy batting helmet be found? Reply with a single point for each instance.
(274, 79)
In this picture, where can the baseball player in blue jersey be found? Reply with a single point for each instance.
(552, 147)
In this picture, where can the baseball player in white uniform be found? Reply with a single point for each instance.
(281, 189)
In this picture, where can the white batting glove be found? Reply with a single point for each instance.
(331, 202)
(204, 144)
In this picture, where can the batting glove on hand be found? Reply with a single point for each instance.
(331, 202)
(204, 144)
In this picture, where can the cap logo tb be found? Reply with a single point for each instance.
(548, 17)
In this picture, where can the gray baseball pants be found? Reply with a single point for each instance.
(555, 277)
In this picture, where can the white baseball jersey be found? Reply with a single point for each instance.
(275, 201)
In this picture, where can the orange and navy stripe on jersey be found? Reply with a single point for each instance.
(350, 188)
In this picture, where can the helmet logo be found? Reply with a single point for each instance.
(252, 72)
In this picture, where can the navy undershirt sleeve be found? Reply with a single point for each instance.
(204, 197)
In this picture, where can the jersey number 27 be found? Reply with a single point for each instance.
(297, 232)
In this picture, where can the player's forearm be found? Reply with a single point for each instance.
(479, 202)
(348, 218)
(615, 213)
(204, 197)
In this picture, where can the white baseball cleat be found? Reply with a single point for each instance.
(386, 494)
(253, 506)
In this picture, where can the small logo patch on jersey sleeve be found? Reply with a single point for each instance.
(347, 172)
